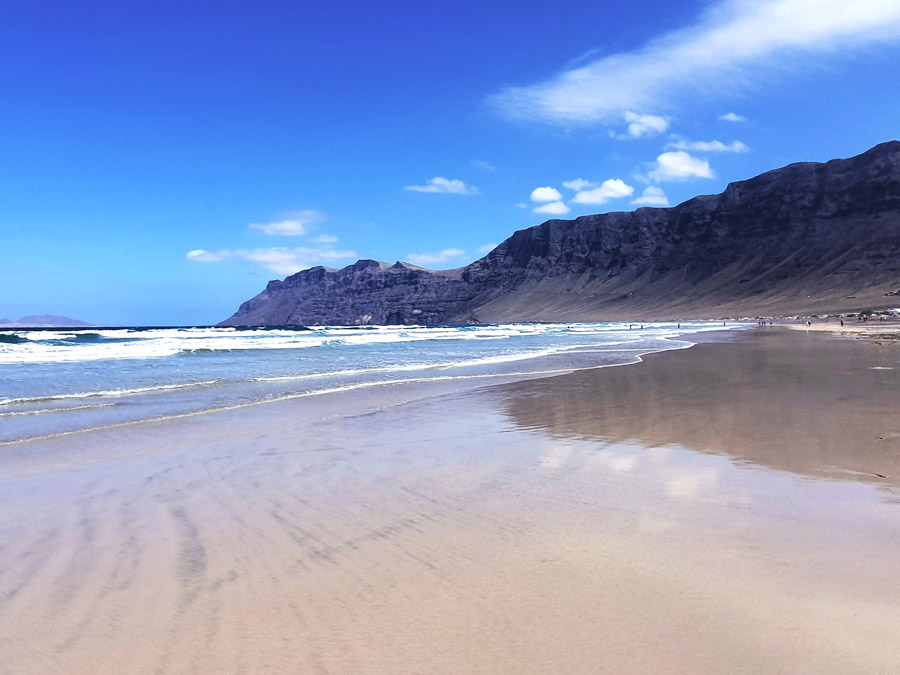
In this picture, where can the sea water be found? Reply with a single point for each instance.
(56, 381)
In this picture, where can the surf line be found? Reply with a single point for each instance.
(335, 390)
(44, 411)
(278, 399)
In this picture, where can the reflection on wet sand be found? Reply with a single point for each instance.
(809, 404)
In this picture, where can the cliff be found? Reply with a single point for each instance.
(806, 238)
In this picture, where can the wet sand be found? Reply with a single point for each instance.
(709, 510)
(802, 402)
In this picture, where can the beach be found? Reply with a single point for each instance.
(731, 507)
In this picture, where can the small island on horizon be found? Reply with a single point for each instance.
(45, 321)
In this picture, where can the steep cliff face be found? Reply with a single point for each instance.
(367, 292)
(805, 238)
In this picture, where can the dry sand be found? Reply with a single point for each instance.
(874, 329)
(667, 517)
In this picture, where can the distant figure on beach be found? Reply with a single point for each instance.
(642, 326)
(842, 323)
(808, 323)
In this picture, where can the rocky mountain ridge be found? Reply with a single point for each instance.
(806, 238)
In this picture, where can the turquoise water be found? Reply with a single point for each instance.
(58, 380)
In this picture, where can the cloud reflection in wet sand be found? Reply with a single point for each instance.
(812, 405)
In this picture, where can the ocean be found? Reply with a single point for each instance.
(56, 381)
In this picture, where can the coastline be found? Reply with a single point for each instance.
(351, 396)
(57, 383)
(667, 516)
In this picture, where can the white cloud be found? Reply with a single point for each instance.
(481, 164)
(436, 258)
(732, 117)
(652, 196)
(732, 44)
(613, 188)
(643, 125)
(295, 225)
(553, 208)
(578, 184)
(442, 185)
(708, 146)
(545, 194)
(521, 205)
(679, 165)
(281, 260)
(200, 255)
(324, 239)
(486, 248)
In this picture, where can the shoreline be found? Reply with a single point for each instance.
(710, 509)
(394, 392)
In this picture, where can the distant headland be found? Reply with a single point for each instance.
(44, 321)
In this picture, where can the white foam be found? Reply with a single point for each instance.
(444, 365)
(45, 347)
(110, 393)
(44, 411)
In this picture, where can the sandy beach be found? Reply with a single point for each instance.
(728, 508)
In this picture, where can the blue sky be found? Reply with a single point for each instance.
(159, 162)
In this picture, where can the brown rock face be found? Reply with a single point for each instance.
(366, 292)
(806, 238)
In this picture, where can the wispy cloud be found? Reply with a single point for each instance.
(324, 239)
(679, 165)
(652, 196)
(202, 255)
(732, 117)
(280, 260)
(484, 166)
(643, 125)
(613, 188)
(436, 258)
(545, 194)
(297, 224)
(707, 146)
(733, 43)
(553, 209)
(484, 249)
(440, 185)
(579, 184)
